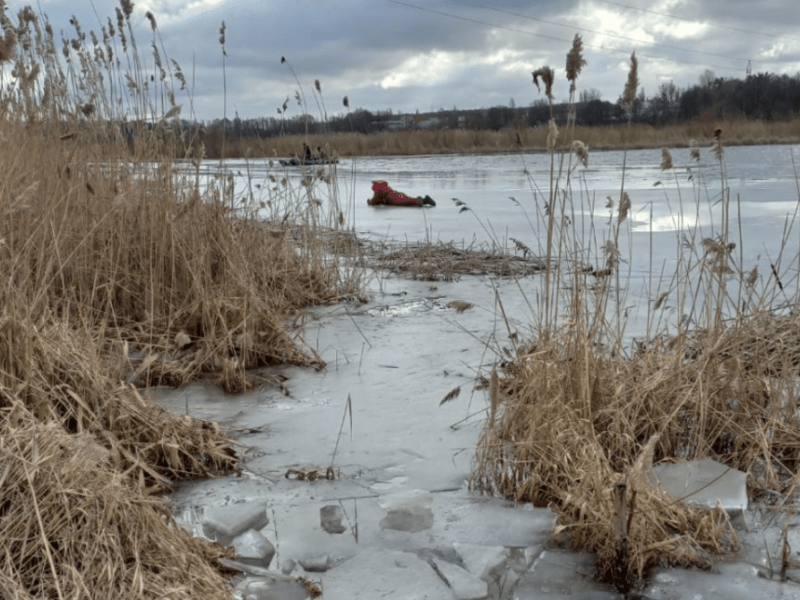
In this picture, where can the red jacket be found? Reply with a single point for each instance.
(385, 195)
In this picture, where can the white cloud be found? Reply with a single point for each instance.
(424, 69)
(438, 67)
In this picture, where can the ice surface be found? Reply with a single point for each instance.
(223, 523)
(330, 518)
(728, 581)
(560, 574)
(407, 511)
(273, 588)
(384, 574)
(253, 548)
(703, 483)
(464, 584)
(480, 560)
(315, 564)
(399, 361)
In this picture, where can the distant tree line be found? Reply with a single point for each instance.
(759, 96)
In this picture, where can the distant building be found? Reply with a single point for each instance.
(401, 122)
(427, 123)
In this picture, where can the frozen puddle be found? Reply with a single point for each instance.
(398, 521)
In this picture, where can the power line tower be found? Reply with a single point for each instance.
(749, 69)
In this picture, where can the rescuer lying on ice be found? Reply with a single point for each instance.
(386, 196)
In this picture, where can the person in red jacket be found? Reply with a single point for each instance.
(384, 195)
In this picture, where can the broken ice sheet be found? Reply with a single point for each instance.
(407, 511)
(702, 482)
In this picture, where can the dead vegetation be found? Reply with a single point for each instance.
(75, 525)
(739, 131)
(447, 262)
(577, 417)
(121, 267)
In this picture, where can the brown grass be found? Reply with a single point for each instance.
(446, 262)
(572, 423)
(119, 265)
(581, 409)
(76, 527)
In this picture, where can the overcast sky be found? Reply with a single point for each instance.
(426, 55)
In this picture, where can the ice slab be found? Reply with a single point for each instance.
(273, 588)
(384, 574)
(223, 523)
(735, 581)
(560, 574)
(330, 518)
(464, 517)
(315, 564)
(464, 584)
(480, 560)
(407, 511)
(253, 548)
(702, 482)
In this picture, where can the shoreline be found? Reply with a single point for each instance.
(635, 136)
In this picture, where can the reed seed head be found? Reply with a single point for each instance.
(179, 74)
(152, 20)
(611, 252)
(346, 102)
(127, 7)
(716, 147)
(660, 300)
(581, 150)
(547, 74)
(632, 84)
(318, 85)
(8, 42)
(752, 277)
(552, 135)
(575, 61)
(624, 207)
(694, 150)
(666, 159)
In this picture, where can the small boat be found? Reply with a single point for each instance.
(308, 162)
(385, 196)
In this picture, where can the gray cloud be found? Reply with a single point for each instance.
(385, 54)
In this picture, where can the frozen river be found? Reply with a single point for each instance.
(408, 523)
(507, 195)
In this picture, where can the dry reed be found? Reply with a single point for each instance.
(75, 527)
(446, 262)
(575, 414)
(120, 265)
(738, 131)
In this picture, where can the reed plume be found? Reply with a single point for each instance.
(575, 62)
(632, 85)
(716, 146)
(666, 160)
(694, 150)
(546, 74)
(552, 135)
(581, 150)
